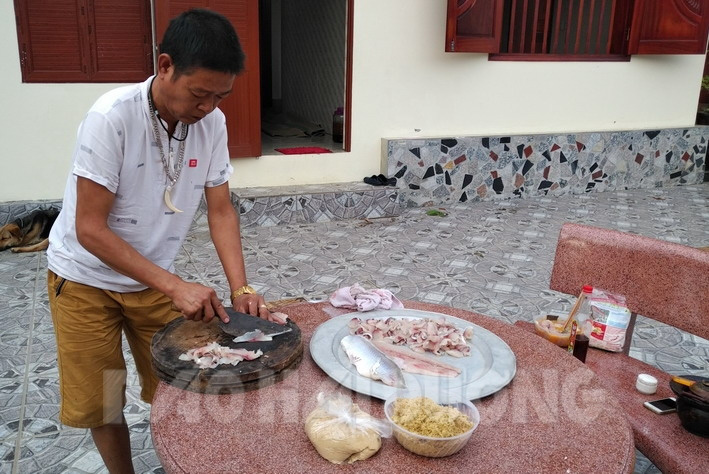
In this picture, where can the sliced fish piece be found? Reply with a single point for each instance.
(241, 323)
(253, 336)
(371, 362)
(213, 354)
(415, 362)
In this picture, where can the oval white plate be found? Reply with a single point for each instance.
(490, 366)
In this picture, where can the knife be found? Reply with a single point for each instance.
(240, 323)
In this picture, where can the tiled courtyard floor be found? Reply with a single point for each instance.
(490, 257)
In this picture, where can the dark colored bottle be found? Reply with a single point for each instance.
(338, 120)
(581, 347)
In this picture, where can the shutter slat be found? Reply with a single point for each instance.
(547, 17)
(122, 37)
(53, 50)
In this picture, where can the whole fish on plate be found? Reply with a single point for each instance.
(371, 362)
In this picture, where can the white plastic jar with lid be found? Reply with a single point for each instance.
(646, 384)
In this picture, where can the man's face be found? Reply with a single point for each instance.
(190, 97)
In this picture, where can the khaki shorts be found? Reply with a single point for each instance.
(88, 323)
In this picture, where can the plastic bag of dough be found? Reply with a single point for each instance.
(341, 432)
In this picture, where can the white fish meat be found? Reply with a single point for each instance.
(278, 317)
(253, 336)
(213, 354)
(415, 362)
(371, 362)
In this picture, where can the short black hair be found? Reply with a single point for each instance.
(201, 38)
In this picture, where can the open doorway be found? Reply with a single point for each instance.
(303, 57)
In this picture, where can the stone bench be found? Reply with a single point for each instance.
(661, 280)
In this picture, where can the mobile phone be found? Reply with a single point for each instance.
(662, 406)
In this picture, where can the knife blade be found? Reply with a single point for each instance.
(241, 323)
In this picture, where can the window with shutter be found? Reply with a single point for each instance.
(84, 40)
(577, 29)
(669, 27)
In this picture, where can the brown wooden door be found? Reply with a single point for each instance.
(243, 107)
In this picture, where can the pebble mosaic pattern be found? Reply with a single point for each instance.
(492, 257)
(442, 171)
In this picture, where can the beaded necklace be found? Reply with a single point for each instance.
(171, 170)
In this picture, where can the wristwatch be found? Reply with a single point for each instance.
(244, 290)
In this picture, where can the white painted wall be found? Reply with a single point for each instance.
(404, 85)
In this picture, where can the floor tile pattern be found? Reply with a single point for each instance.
(441, 171)
(493, 257)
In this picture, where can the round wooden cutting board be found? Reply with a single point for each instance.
(280, 356)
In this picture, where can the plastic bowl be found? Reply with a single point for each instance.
(552, 331)
(426, 445)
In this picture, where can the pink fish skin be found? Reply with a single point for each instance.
(415, 362)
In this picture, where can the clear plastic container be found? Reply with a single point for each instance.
(426, 445)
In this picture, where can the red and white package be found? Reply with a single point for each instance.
(608, 322)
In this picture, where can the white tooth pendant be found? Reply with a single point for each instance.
(168, 201)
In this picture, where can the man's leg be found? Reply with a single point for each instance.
(146, 312)
(92, 373)
(113, 443)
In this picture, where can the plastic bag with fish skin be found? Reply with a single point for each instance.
(341, 432)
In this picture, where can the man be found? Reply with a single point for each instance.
(145, 155)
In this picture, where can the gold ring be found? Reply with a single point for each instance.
(263, 306)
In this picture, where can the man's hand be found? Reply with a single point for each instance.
(252, 304)
(198, 302)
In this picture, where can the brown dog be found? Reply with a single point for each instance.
(29, 233)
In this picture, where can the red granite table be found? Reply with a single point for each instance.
(555, 416)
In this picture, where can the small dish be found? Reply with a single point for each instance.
(550, 325)
(432, 446)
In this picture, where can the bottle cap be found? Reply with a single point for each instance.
(646, 384)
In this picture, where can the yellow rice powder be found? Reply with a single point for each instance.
(425, 417)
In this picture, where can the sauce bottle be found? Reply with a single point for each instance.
(581, 347)
(578, 342)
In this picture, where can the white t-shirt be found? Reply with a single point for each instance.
(116, 148)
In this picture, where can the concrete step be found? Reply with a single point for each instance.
(271, 206)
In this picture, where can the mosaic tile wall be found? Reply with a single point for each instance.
(270, 206)
(449, 170)
(11, 210)
(315, 203)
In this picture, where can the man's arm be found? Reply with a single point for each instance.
(225, 231)
(93, 204)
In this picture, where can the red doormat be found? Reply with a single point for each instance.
(302, 150)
